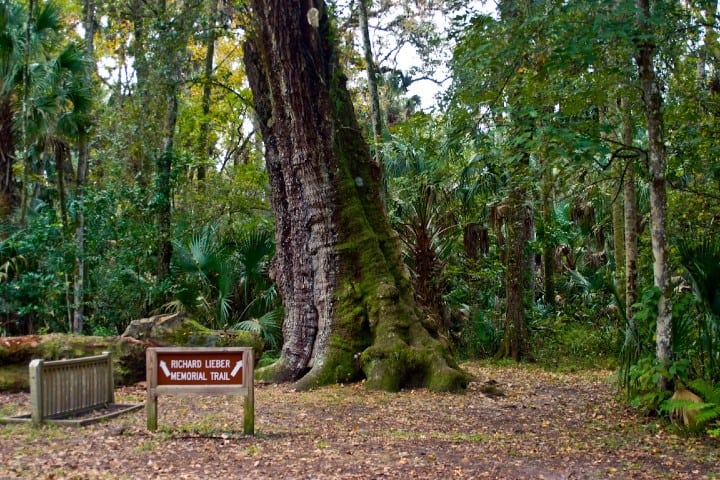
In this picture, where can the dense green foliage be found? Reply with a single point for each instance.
(538, 97)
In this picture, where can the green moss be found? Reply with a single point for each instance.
(190, 332)
(14, 378)
(276, 372)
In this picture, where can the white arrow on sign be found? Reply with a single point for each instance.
(164, 368)
(237, 368)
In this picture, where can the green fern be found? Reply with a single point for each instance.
(706, 412)
(268, 326)
(710, 411)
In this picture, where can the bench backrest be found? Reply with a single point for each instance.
(66, 387)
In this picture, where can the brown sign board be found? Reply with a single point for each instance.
(199, 368)
(200, 371)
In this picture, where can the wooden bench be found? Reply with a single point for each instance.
(63, 388)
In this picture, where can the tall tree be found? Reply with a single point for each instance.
(632, 343)
(653, 102)
(11, 21)
(371, 70)
(80, 180)
(349, 307)
(205, 149)
(519, 222)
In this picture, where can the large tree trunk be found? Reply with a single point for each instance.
(658, 201)
(349, 307)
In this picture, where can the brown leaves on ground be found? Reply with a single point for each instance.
(528, 423)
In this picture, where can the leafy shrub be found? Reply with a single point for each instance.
(566, 342)
(33, 280)
(643, 379)
(479, 335)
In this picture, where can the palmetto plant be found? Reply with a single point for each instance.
(701, 260)
(206, 274)
(262, 312)
(226, 283)
(703, 413)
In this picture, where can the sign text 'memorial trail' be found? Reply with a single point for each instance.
(200, 371)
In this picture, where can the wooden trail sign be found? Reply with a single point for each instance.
(200, 371)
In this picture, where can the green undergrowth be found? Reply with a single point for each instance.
(576, 345)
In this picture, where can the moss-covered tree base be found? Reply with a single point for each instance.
(415, 361)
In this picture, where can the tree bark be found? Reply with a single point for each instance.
(206, 149)
(8, 194)
(80, 180)
(375, 112)
(515, 341)
(548, 244)
(632, 343)
(348, 300)
(653, 102)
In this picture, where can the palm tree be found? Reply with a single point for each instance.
(228, 282)
(59, 103)
(262, 312)
(422, 213)
(12, 19)
(44, 93)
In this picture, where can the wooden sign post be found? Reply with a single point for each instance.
(200, 371)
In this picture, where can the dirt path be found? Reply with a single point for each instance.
(531, 424)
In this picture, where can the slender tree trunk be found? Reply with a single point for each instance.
(80, 180)
(27, 166)
(164, 185)
(652, 99)
(710, 49)
(205, 147)
(618, 226)
(618, 223)
(145, 135)
(375, 112)
(632, 344)
(60, 153)
(515, 342)
(520, 264)
(348, 300)
(8, 194)
(548, 246)
(172, 43)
